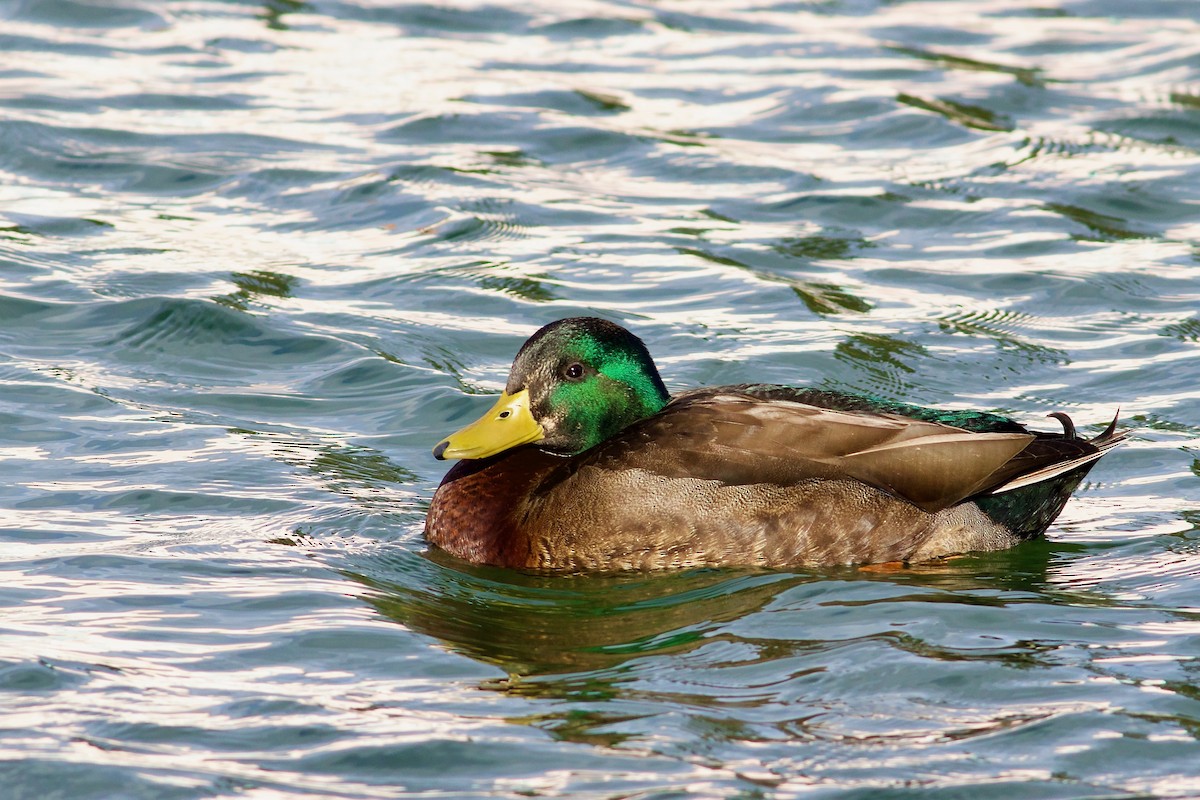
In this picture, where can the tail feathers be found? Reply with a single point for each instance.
(1108, 439)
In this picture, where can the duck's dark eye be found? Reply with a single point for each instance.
(574, 371)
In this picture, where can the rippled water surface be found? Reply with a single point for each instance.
(256, 258)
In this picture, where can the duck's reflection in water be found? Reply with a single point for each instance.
(531, 624)
(597, 638)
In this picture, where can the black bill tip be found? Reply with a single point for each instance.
(440, 450)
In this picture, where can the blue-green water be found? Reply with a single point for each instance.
(256, 259)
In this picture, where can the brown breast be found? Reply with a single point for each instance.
(477, 510)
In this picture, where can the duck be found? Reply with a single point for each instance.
(586, 463)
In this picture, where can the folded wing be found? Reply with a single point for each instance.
(737, 438)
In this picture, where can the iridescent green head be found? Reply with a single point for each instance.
(574, 384)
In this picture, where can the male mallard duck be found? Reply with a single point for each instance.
(587, 463)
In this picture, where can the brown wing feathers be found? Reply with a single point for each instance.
(739, 439)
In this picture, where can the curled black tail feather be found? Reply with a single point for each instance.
(1053, 466)
(1067, 423)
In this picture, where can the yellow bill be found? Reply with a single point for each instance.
(506, 424)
